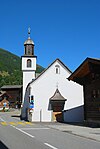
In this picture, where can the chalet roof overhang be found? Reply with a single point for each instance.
(89, 65)
(7, 87)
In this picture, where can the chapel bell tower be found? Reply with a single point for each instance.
(28, 62)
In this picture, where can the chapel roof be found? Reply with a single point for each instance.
(33, 80)
(29, 41)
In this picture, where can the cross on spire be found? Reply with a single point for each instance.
(57, 85)
(29, 32)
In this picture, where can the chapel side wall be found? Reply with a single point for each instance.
(27, 77)
(74, 106)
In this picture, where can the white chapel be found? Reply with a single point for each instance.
(50, 96)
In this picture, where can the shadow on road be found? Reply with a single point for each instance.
(15, 116)
(3, 146)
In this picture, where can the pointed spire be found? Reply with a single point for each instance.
(29, 32)
(29, 41)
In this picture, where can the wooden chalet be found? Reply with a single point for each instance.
(15, 94)
(4, 99)
(88, 75)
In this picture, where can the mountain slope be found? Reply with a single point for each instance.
(10, 68)
(8, 61)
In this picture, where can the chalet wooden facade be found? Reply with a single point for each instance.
(88, 75)
(15, 94)
(4, 103)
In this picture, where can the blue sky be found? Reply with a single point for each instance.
(64, 29)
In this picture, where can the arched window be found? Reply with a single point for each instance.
(29, 90)
(29, 63)
(57, 69)
(29, 50)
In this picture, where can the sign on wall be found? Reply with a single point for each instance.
(32, 102)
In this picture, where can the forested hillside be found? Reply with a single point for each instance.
(10, 69)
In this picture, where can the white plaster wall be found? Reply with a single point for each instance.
(44, 87)
(27, 77)
(28, 72)
(24, 63)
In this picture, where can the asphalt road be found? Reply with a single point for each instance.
(16, 134)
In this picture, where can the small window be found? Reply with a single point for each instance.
(29, 90)
(96, 93)
(57, 69)
(29, 63)
(93, 76)
(29, 52)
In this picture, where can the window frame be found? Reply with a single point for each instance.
(57, 69)
(29, 63)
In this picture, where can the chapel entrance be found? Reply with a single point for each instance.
(57, 116)
(57, 102)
